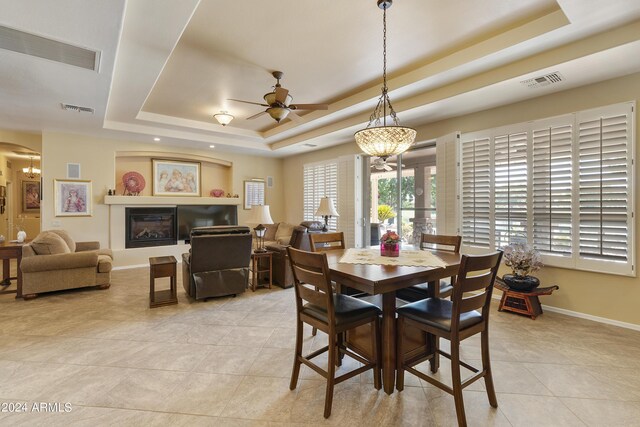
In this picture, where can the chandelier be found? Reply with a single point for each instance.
(31, 172)
(378, 139)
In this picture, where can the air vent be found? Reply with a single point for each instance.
(545, 80)
(310, 145)
(30, 44)
(77, 108)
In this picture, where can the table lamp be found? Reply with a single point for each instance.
(327, 210)
(260, 215)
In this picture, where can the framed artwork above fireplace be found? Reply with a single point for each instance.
(176, 178)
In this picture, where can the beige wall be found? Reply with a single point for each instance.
(609, 296)
(97, 158)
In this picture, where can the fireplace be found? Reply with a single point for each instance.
(150, 227)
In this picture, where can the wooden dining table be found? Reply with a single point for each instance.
(385, 280)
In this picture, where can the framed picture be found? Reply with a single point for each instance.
(72, 197)
(3, 191)
(253, 193)
(175, 178)
(30, 196)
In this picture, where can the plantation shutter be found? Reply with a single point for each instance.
(476, 192)
(552, 178)
(510, 188)
(605, 198)
(320, 180)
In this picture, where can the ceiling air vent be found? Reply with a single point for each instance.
(42, 47)
(77, 108)
(545, 80)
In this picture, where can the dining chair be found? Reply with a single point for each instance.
(334, 314)
(465, 315)
(321, 242)
(445, 288)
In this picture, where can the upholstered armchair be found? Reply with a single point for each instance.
(218, 262)
(282, 275)
(53, 261)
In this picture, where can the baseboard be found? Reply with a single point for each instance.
(585, 316)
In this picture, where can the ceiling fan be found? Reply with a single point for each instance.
(279, 104)
(381, 164)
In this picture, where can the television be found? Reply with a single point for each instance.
(190, 216)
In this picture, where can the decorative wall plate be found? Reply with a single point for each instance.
(134, 183)
(216, 193)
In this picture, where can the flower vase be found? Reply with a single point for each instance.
(22, 235)
(390, 249)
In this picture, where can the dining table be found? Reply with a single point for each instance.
(385, 280)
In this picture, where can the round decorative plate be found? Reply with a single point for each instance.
(133, 182)
(216, 193)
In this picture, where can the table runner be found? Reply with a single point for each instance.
(406, 258)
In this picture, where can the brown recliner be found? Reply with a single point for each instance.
(218, 262)
(282, 275)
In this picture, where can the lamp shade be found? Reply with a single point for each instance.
(260, 215)
(223, 118)
(326, 207)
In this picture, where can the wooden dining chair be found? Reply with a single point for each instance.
(334, 314)
(321, 242)
(445, 288)
(454, 320)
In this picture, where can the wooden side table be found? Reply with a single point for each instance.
(526, 303)
(256, 270)
(10, 250)
(163, 266)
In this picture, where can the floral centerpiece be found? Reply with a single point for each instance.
(523, 260)
(390, 244)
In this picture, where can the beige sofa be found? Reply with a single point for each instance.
(53, 261)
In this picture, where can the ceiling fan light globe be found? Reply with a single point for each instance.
(278, 113)
(270, 98)
(385, 141)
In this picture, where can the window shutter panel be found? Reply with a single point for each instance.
(510, 190)
(476, 192)
(320, 180)
(552, 184)
(605, 199)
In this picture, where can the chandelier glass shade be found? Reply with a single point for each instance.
(378, 139)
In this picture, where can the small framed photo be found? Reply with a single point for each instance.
(175, 178)
(253, 193)
(72, 197)
(30, 196)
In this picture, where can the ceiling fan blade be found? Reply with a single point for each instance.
(293, 116)
(256, 115)
(247, 102)
(281, 94)
(388, 168)
(309, 106)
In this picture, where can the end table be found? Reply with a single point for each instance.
(162, 266)
(526, 303)
(256, 269)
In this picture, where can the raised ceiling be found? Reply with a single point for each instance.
(167, 67)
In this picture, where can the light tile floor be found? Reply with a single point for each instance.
(227, 362)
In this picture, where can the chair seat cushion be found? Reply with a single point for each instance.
(418, 292)
(436, 312)
(348, 310)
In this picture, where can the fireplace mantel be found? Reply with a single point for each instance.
(170, 200)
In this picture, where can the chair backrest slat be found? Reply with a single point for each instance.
(312, 281)
(477, 273)
(429, 240)
(474, 302)
(321, 242)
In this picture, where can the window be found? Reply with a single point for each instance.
(320, 180)
(563, 184)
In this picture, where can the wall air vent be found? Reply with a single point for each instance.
(77, 108)
(545, 80)
(30, 44)
(310, 145)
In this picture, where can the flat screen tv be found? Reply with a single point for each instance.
(190, 216)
